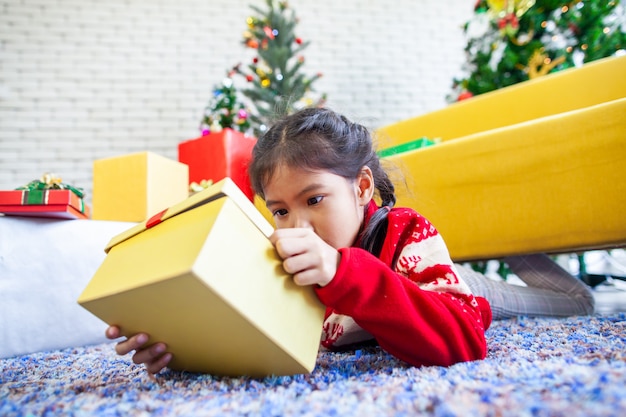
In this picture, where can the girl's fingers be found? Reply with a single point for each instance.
(133, 343)
(150, 354)
(287, 247)
(154, 358)
(159, 363)
(298, 263)
(112, 332)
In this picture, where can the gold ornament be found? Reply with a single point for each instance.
(501, 8)
(540, 64)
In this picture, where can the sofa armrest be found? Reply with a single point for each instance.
(554, 184)
(575, 88)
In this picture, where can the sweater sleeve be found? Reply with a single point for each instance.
(418, 326)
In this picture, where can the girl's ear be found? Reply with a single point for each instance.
(365, 186)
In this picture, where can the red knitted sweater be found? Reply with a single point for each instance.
(411, 299)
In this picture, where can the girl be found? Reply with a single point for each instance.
(384, 273)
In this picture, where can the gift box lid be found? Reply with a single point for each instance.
(223, 188)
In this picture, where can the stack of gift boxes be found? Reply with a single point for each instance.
(136, 186)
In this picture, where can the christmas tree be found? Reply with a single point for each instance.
(225, 110)
(276, 84)
(510, 41)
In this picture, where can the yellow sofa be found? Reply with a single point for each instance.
(535, 167)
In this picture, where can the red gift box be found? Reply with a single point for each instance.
(218, 155)
(59, 204)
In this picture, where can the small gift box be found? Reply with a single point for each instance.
(135, 186)
(219, 155)
(47, 197)
(203, 277)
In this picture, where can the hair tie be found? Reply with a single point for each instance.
(386, 208)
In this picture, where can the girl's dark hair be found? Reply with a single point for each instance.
(321, 139)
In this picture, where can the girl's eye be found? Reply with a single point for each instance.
(280, 212)
(314, 200)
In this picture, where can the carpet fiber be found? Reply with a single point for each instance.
(535, 367)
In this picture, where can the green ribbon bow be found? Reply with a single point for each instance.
(36, 189)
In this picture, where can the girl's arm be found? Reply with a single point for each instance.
(421, 327)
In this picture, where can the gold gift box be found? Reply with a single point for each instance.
(133, 187)
(203, 277)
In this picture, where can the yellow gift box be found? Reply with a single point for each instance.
(133, 187)
(536, 167)
(203, 277)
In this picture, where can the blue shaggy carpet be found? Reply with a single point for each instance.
(535, 367)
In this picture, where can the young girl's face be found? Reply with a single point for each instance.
(330, 205)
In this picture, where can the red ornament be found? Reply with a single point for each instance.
(464, 95)
(249, 78)
(268, 32)
(574, 28)
(299, 41)
(508, 20)
(255, 60)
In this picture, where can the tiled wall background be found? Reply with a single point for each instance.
(87, 79)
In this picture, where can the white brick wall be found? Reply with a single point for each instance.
(87, 79)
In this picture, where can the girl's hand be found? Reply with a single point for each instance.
(154, 357)
(306, 256)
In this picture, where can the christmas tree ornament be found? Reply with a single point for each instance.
(502, 8)
(540, 64)
(269, 32)
(465, 95)
(508, 25)
(215, 126)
